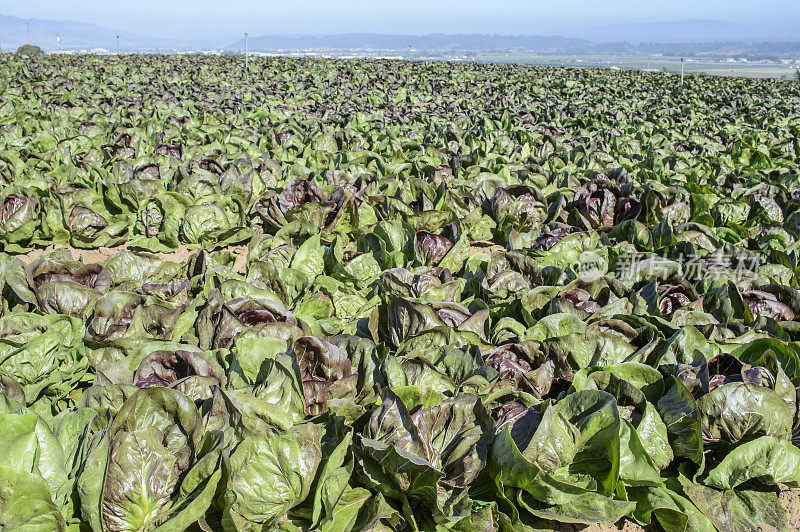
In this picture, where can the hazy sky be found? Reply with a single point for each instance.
(196, 18)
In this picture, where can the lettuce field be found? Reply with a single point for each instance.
(381, 295)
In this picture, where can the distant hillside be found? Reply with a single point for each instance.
(437, 42)
(83, 36)
(716, 50)
(74, 35)
(688, 31)
(693, 38)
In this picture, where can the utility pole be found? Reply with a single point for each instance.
(681, 70)
(246, 54)
(28, 26)
(117, 44)
(58, 41)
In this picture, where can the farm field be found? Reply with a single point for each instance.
(751, 69)
(384, 295)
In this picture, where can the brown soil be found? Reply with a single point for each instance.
(790, 500)
(90, 256)
(623, 525)
(483, 246)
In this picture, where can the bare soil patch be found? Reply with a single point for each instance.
(623, 525)
(790, 500)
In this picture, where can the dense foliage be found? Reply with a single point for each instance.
(29, 49)
(476, 297)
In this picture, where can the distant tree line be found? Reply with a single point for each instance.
(29, 49)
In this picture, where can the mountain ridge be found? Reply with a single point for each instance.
(688, 31)
(619, 38)
(430, 42)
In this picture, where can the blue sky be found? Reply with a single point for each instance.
(196, 18)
